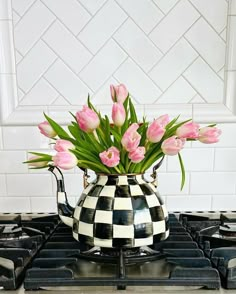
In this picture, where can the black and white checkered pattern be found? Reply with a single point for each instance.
(120, 211)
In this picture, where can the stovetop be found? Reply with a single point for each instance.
(200, 253)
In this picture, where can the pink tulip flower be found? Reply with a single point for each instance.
(163, 120)
(63, 145)
(137, 155)
(119, 93)
(131, 138)
(172, 145)
(87, 119)
(188, 130)
(118, 114)
(37, 164)
(46, 129)
(65, 160)
(155, 132)
(209, 135)
(110, 157)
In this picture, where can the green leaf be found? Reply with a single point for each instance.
(182, 171)
(133, 116)
(47, 156)
(211, 126)
(93, 166)
(171, 123)
(57, 128)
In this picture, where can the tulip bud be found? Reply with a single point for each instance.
(209, 135)
(188, 130)
(119, 93)
(87, 119)
(46, 129)
(63, 145)
(37, 164)
(110, 157)
(137, 155)
(163, 120)
(131, 138)
(65, 160)
(172, 145)
(155, 132)
(118, 114)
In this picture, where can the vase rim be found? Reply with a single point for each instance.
(126, 174)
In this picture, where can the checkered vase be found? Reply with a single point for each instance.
(120, 211)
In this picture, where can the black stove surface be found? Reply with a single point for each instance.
(20, 240)
(200, 252)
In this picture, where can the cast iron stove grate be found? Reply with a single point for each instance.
(216, 236)
(176, 261)
(20, 240)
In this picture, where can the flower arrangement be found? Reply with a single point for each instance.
(126, 145)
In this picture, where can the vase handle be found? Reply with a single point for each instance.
(85, 178)
(154, 172)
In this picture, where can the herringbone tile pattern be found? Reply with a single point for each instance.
(166, 51)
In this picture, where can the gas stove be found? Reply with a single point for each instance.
(40, 252)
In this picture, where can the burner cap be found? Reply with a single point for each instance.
(228, 230)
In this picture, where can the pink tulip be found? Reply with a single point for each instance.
(209, 135)
(87, 119)
(65, 160)
(46, 129)
(131, 138)
(172, 145)
(110, 157)
(188, 130)
(118, 114)
(137, 155)
(155, 132)
(63, 145)
(163, 120)
(119, 93)
(37, 164)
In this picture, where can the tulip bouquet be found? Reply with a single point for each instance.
(126, 145)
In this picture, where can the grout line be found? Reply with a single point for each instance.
(21, 16)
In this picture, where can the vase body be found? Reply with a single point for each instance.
(120, 211)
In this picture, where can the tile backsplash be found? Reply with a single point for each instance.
(166, 52)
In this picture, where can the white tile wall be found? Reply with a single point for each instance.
(162, 50)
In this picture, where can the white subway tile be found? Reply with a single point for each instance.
(231, 64)
(217, 17)
(31, 68)
(225, 159)
(67, 46)
(203, 38)
(34, 23)
(103, 95)
(21, 6)
(74, 16)
(188, 203)
(139, 84)
(42, 93)
(15, 204)
(73, 185)
(3, 187)
(213, 183)
(224, 202)
(179, 92)
(103, 65)
(143, 12)
(205, 80)
(92, 5)
(5, 10)
(29, 185)
(47, 204)
(194, 160)
(174, 25)
(138, 45)
(12, 162)
(232, 4)
(24, 137)
(103, 25)
(173, 64)
(67, 83)
(170, 184)
(164, 5)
